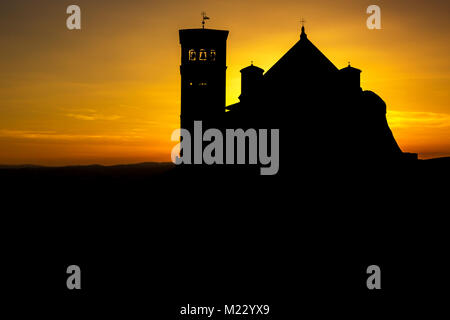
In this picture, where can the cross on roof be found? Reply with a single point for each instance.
(303, 22)
(303, 28)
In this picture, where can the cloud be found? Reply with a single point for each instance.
(92, 116)
(52, 135)
(408, 119)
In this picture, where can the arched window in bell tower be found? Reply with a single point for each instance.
(203, 56)
(192, 55)
(212, 54)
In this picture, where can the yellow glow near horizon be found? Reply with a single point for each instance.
(110, 92)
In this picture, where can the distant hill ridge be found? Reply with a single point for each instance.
(142, 165)
(131, 165)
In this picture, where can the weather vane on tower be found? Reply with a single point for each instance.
(204, 17)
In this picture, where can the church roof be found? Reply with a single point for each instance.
(303, 58)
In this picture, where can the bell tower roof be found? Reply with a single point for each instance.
(200, 35)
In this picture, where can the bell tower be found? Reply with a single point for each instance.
(203, 73)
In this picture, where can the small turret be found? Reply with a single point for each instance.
(350, 78)
(251, 78)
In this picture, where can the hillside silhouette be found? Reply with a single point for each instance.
(146, 172)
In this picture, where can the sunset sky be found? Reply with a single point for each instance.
(110, 92)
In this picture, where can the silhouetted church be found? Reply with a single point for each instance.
(322, 112)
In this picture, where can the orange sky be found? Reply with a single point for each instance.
(110, 92)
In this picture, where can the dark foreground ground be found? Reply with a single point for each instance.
(150, 238)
